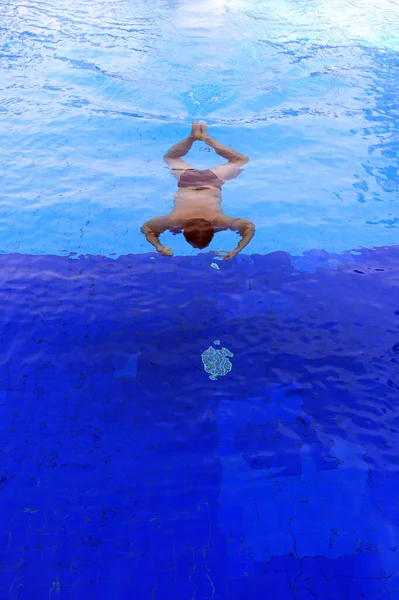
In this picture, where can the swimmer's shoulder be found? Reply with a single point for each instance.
(222, 222)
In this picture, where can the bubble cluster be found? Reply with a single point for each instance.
(216, 361)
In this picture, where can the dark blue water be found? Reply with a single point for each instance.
(127, 473)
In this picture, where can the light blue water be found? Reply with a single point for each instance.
(94, 93)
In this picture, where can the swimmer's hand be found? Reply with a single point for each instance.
(227, 255)
(230, 255)
(247, 231)
(165, 251)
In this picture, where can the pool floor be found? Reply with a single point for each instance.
(127, 472)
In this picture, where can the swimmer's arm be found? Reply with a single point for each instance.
(152, 230)
(247, 231)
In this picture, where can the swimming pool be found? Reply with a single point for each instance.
(126, 471)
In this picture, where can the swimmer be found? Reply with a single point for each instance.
(197, 211)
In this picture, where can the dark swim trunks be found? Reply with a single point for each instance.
(199, 180)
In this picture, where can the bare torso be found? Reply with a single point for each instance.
(191, 204)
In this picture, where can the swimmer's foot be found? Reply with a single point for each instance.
(196, 130)
(203, 130)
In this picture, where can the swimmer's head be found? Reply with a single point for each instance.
(199, 233)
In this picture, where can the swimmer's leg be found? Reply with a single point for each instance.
(173, 156)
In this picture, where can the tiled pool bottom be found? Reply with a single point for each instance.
(126, 473)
